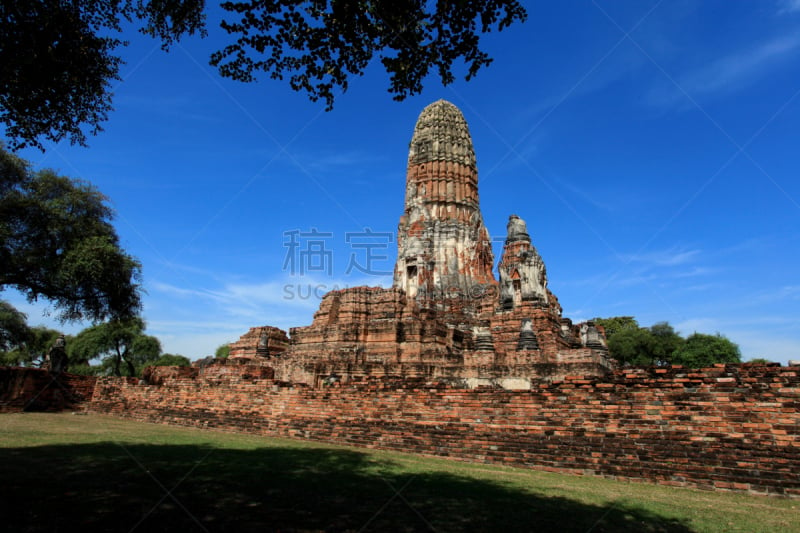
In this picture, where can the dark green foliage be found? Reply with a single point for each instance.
(57, 60)
(701, 350)
(86, 370)
(320, 44)
(13, 327)
(57, 243)
(116, 342)
(632, 347)
(20, 344)
(665, 341)
(34, 350)
(169, 359)
(616, 323)
(759, 361)
(223, 351)
(661, 345)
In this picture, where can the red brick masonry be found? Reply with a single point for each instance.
(734, 427)
(34, 389)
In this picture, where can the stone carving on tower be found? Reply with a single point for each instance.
(445, 316)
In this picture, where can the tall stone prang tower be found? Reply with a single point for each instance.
(443, 245)
(445, 317)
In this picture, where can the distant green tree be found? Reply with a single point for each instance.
(169, 359)
(759, 361)
(33, 351)
(14, 329)
(20, 344)
(616, 323)
(701, 350)
(57, 243)
(661, 345)
(88, 370)
(632, 347)
(223, 351)
(116, 342)
(665, 341)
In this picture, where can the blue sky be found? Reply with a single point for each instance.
(652, 148)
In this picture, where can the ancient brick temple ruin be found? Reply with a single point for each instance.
(446, 315)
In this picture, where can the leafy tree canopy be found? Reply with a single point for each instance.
(320, 44)
(14, 329)
(223, 351)
(701, 350)
(20, 344)
(632, 347)
(57, 243)
(665, 342)
(116, 342)
(58, 59)
(169, 359)
(616, 323)
(34, 349)
(661, 345)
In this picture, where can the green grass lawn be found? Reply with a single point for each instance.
(61, 472)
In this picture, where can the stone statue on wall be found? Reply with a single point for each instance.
(58, 361)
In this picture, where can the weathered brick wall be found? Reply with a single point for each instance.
(729, 427)
(35, 389)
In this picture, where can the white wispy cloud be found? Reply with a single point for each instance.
(298, 291)
(702, 287)
(787, 292)
(289, 292)
(788, 6)
(726, 74)
(693, 272)
(632, 280)
(593, 198)
(194, 320)
(324, 163)
(670, 257)
(699, 324)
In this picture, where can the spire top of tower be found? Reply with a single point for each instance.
(441, 134)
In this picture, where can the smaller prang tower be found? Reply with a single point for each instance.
(523, 277)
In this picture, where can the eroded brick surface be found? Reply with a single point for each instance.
(35, 389)
(734, 427)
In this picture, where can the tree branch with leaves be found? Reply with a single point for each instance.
(58, 60)
(57, 243)
(117, 343)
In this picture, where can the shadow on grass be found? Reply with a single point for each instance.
(112, 487)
